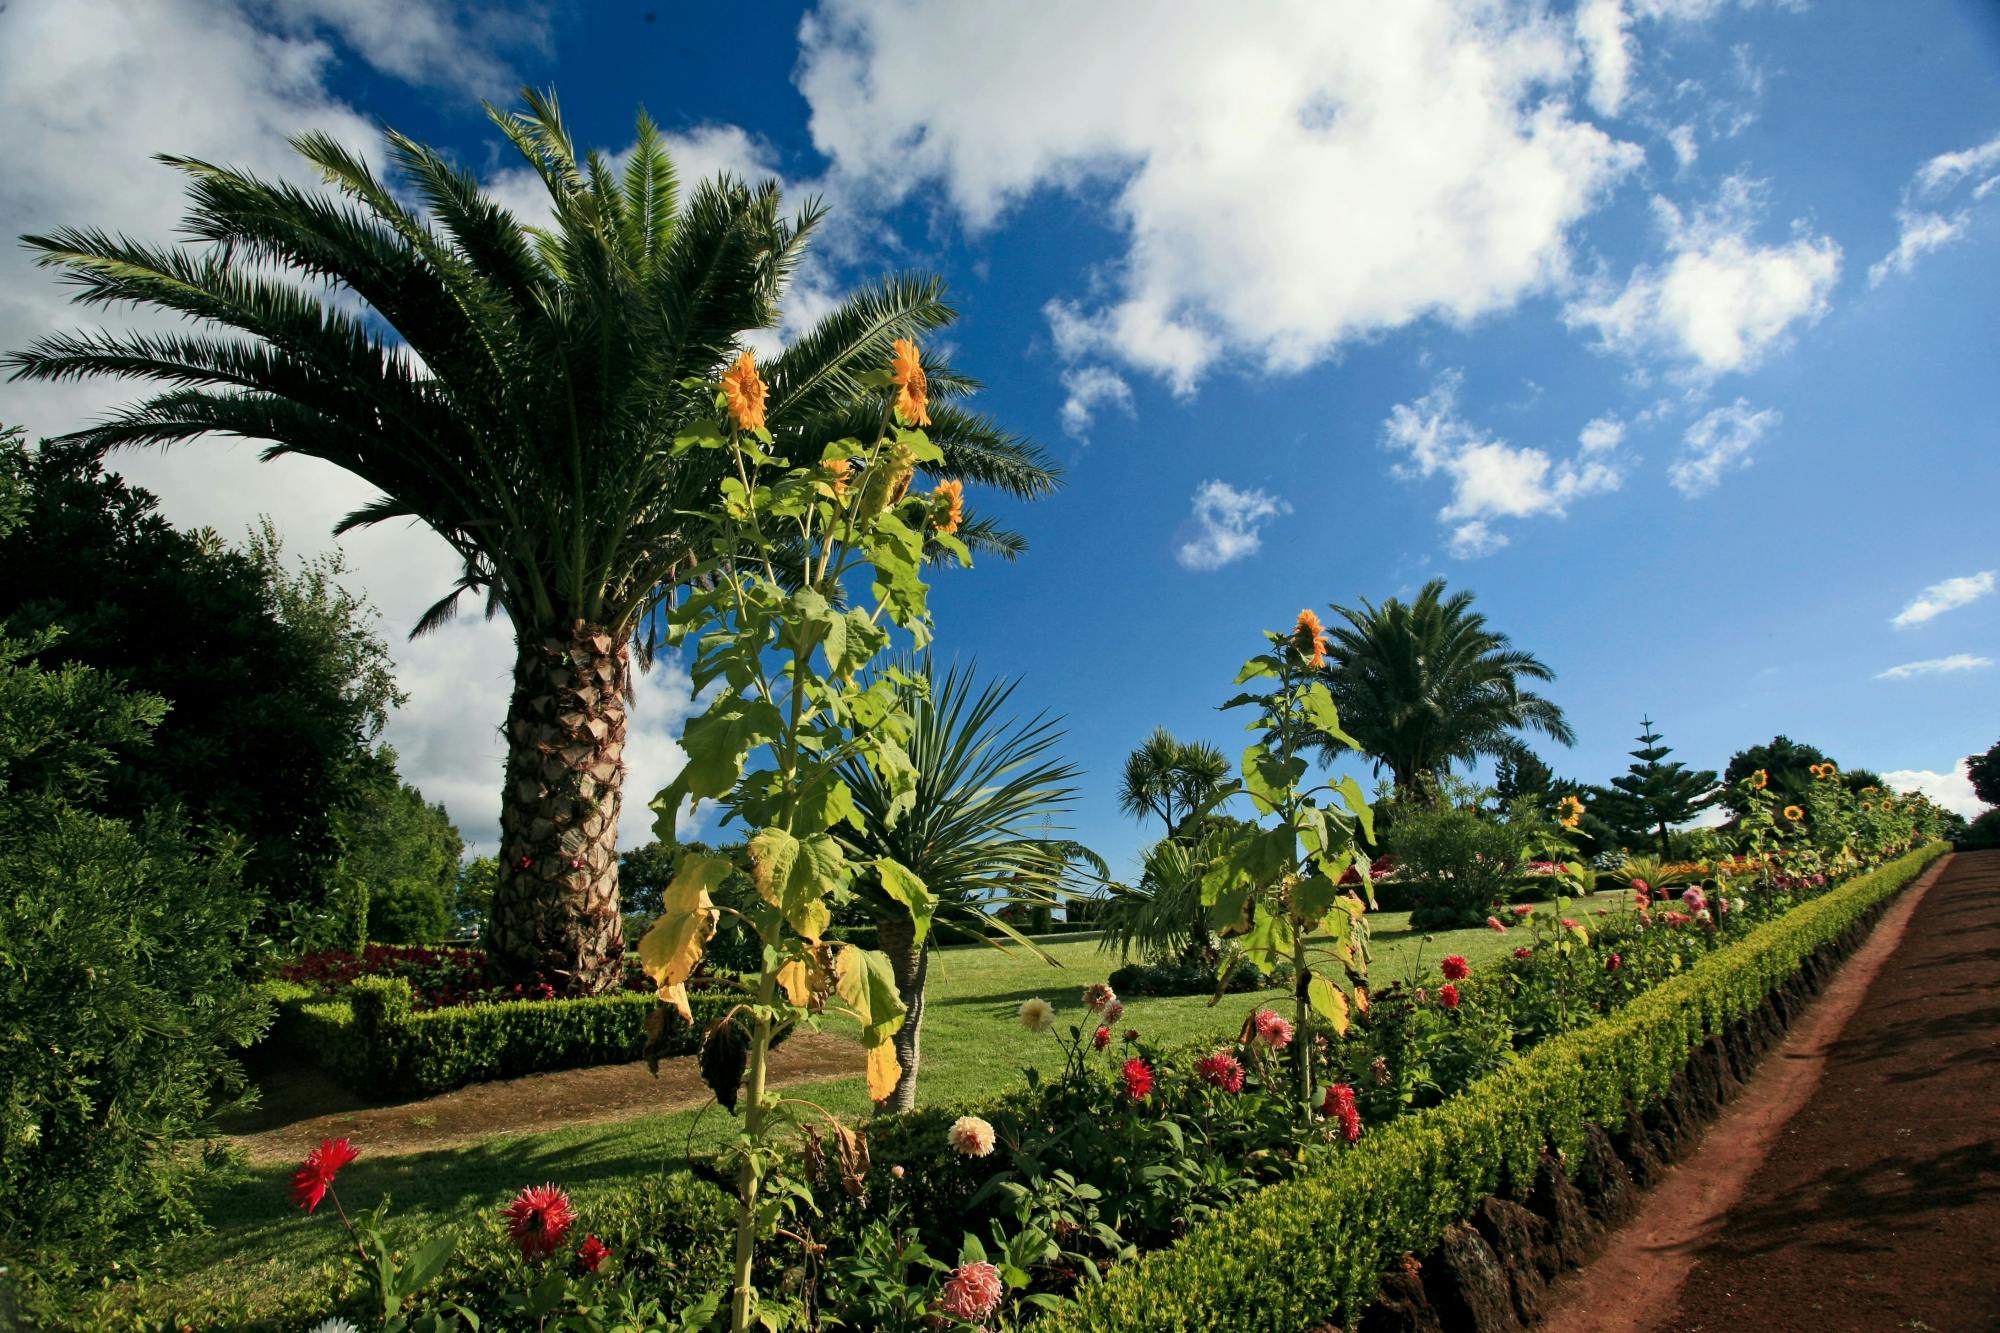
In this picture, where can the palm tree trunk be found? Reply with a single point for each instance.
(911, 964)
(555, 907)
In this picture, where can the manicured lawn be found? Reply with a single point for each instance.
(973, 1049)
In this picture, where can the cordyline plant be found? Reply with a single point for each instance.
(791, 712)
(1272, 887)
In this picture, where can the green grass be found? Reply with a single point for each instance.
(974, 1048)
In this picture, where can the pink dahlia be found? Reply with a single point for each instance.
(1098, 995)
(1524, 909)
(538, 1219)
(971, 1136)
(312, 1180)
(1493, 923)
(1454, 967)
(1113, 1012)
(1612, 962)
(1448, 995)
(972, 1292)
(1568, 924)
(1221, 1070)
(1138, 1076)
(1272, 1030)
(590, 1255)
(1694, 900)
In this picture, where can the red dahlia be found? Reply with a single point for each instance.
(1448, 995)
(591, 1254)
(312, 1180)
(1222, 1070)
(1454, 967)
(538, 1219)
(1138, 1078)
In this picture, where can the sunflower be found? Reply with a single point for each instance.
(1572, 810)
(1309, 637)
(743, 389)
(952, 495)
(1793, 813)
(1868, 805)
(838, 471)
(912, 388)
(1759, 780)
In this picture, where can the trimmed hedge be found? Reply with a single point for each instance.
(1292, 1255)
(372, 1039)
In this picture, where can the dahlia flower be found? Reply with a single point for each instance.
(1037, 1015)
(1454, 967)
(538, 1219)
(1448, 995)
(313, 1179)
(590, 1255)
(972, 1292)
(1221, 1070)
(1272, 1030)
(1138, 1077)
(971, 1136)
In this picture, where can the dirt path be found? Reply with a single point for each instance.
(1855, 1183)
(299, 1109)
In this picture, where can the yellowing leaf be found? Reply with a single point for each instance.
(670, 950)
(796, 875)
(867, 987)
(1361, 998)
(676, 995)
(1328, 1000)
(796, 981)
(884, 1071)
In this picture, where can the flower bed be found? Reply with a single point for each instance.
(1313, 1249)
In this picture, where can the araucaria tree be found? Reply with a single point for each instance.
(1653, 796)
(1425, 684)
(519, 390)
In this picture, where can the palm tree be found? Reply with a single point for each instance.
(1171, 778)
(1426, 684)
(519, 390)
(976, 832)
(1163, 916)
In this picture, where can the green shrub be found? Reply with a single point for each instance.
(1299, 1253)
(408, 911)
(1184, 978)
(1455, 864)
(373, 1039)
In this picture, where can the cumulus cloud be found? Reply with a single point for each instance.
(1284, 186)
(1951, 790)
(1935, 666)
(1089, 389)
(106, 85)
(1939, 598)
(1720, 440)
(1721, 300)
(1490, 478)
(1225, 526)
(1938, 205)
(1601, 29)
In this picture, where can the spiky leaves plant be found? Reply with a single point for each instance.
(517, 389)
(976, 829)
(1425, 684)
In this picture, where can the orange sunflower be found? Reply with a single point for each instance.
(1309, 637)
(838, 470)
(1572, 810)
(1793, 813)
(912, 388)
(952, 494)
(1760, 780)
(743, 389)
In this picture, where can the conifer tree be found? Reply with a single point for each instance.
(1654, 795)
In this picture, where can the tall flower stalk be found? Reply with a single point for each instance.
(1273, 886)
(794, 707)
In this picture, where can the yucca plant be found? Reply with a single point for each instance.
(977, 830)
(518, 389)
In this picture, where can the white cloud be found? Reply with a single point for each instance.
(1686, 147)
(1942, 597)
(1226, 525)
(91, 89)
(1935, 666)
(1720, 440)
(456, 43)
(1490, 478)
(1951, 790)
(1284, 185)
(1920, 225)
(1721, 301)
(1090, 389)
(1609, 50)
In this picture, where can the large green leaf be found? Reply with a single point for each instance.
(796, 875)
(718, 743)
(902, 884)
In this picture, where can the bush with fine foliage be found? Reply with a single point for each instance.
(1455, 864)
(120, 947)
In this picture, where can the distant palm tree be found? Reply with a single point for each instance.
(518, 389)
(1171, 778)
(977, 831)
(1426, 684)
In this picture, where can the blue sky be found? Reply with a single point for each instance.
(1667, 326)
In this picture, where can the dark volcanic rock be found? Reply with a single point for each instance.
(1402, 1307)
(1519, 1239)
(1468, 1287)
(1573, 1233)
(1603, 1179)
